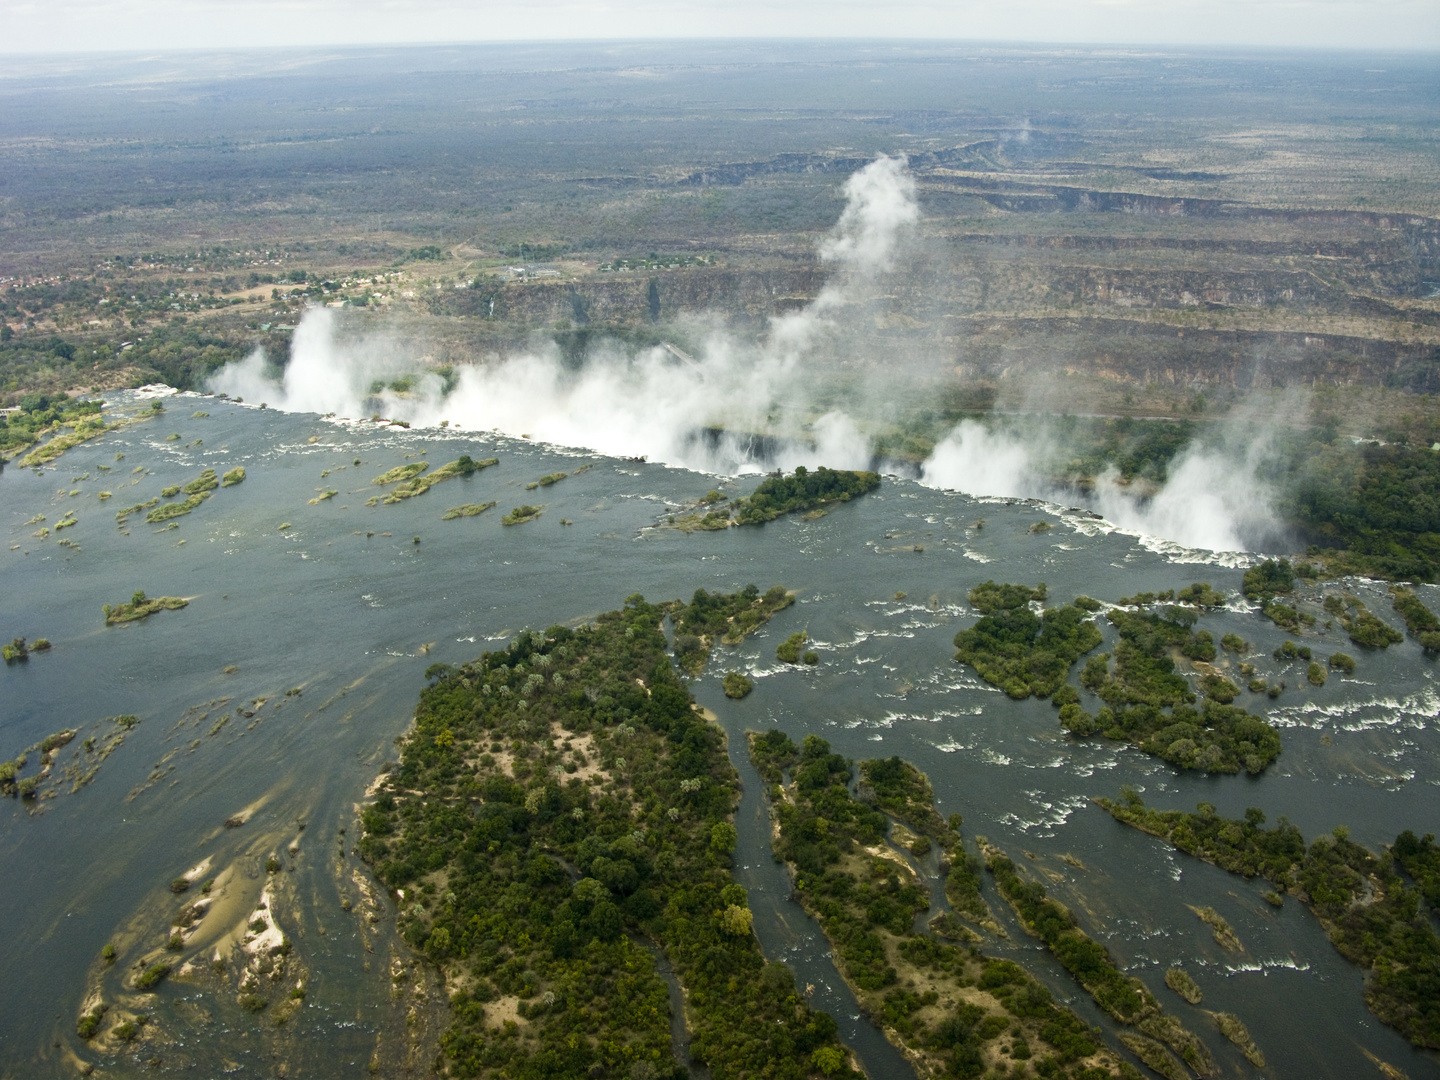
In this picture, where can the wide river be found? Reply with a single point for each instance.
(346, 606)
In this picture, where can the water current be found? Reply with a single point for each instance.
(347, 607)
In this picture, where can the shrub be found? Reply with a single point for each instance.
(736, 685)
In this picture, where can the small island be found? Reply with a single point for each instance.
(141, 607)
(467, 510)
(233, 477)
(416, 481)
(522, 514)
(196, 492)
(777, 495)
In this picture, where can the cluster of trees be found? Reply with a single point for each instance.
(726, 617)
(1019, 651)
(867, 907)
(1384, 929)
(556, 804)
(1148, 703)
(39, 414)
(804, 490)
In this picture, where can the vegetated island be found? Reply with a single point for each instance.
(1019, 651)
(85, 763)
(1125, 998)
(416, 481)
(196, 492)
(777, 495)
(724, 616)
(1419, 619)
(521, 514)
(949, 1009)
(561, 813)
(1026, 653)
(141, 607)
(467, 510)
(546, 481)
(1372, 916)
(19, 651)
(233, 477)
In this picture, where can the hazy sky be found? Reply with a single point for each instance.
(83, 25)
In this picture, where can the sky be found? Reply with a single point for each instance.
(65, 26)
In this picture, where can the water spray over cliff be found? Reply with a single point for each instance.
(704, 412)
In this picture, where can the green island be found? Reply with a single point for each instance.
(1372, 916)
(948, 1008)
(402, 472)
(19, 650)
(558, 822)
(736, 685)
(1121, 996)
(1363, 626)
(522, 514)
(727, 617)
(546, 480)
(325, 496)
(123, 516)
(1019, 651)
(1267, 582)
(1217, 737)
(788, 651)
(141, 607)
(196, 492)
(233, 477)
(803, 490)
(1419, 619)
(417, 481)
(467, 510)
(776, 496)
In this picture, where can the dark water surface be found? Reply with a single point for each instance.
(347, 618)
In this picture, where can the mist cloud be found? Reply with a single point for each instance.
(709, 413)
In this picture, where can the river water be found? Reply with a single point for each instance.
(345, 606)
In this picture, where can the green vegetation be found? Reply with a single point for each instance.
(1363, 626)
(141, 607)
(1372, 916)
(324, 496)
(151, 976)
(728, 617)
(1179, 980)
(417, 484)
(943, 1004)
(16, 651)
(1234, 1029)
(42, 414)
(1419, 619)
(121, 516)
(233, 477)
(804, 490)
(1220, 930)
(467, 510)
(546, 480)
(1421, 860)
(522, 514)
(788, 650)
(535, 888)
(402, 472)
(196, 492)
(1149, 704)
(736, 685)
(1124, 998)
(1023, 653)
(1315, 673)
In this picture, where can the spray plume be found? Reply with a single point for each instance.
(696, 413)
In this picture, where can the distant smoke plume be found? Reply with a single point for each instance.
(699, 412)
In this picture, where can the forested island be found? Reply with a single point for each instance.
(948, 1008)
(560, 816)
(1373, 916)
(1144, 699)
(778, 495)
